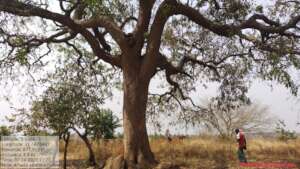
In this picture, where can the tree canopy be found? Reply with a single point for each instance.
(181, 42)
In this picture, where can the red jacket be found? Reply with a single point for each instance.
(241, 140)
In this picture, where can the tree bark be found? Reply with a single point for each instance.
(137, 152)
(92, 160)
(66, 140)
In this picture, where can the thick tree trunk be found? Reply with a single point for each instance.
(137, 152)
(92, 160)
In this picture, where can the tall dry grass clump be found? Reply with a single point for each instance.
(272, 149)
(195, 152)
(203, 152)
(103, 149)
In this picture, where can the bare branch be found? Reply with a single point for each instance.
(71, 9)
(172, 7)
(101, 39)
(23, 9)
(171, 69)
(145, 9)
(108, 24)
(164, 64)
(132, 18)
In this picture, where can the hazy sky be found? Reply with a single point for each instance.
(280, 102)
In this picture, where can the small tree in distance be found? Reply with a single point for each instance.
(67, 106)
(283, 133)
(5, 131)
(253, 117)
(71, 103)
(108, 123)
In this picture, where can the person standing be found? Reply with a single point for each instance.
(168, 135)
(242, 145)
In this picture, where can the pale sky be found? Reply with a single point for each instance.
(279, 100)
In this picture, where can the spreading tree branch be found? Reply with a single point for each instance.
(26, 10)
(172, 7)
(107, 23)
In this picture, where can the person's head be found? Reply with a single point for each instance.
(237, 131)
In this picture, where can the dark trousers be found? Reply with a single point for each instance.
(241, 155)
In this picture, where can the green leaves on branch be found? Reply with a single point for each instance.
(21, 56)
(116, 9)
(5, 131)
(284, 78)
(103, 124)
(278, 67)
(94, 2)
(18, 40)
(259, 9)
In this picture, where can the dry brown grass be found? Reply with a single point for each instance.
(199, 152)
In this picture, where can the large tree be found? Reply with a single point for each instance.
(191, 41)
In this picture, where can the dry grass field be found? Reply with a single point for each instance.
(195, 153)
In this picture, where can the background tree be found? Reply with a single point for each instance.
(73, 107)
(103, 124)
(38, 123)
(79, 88)
(182, 42)
(54, 116)
(66, 138)
(5, 131)
(71, 101)
(251, 118)
(25, 123)
(283, 133)
(59, 111)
